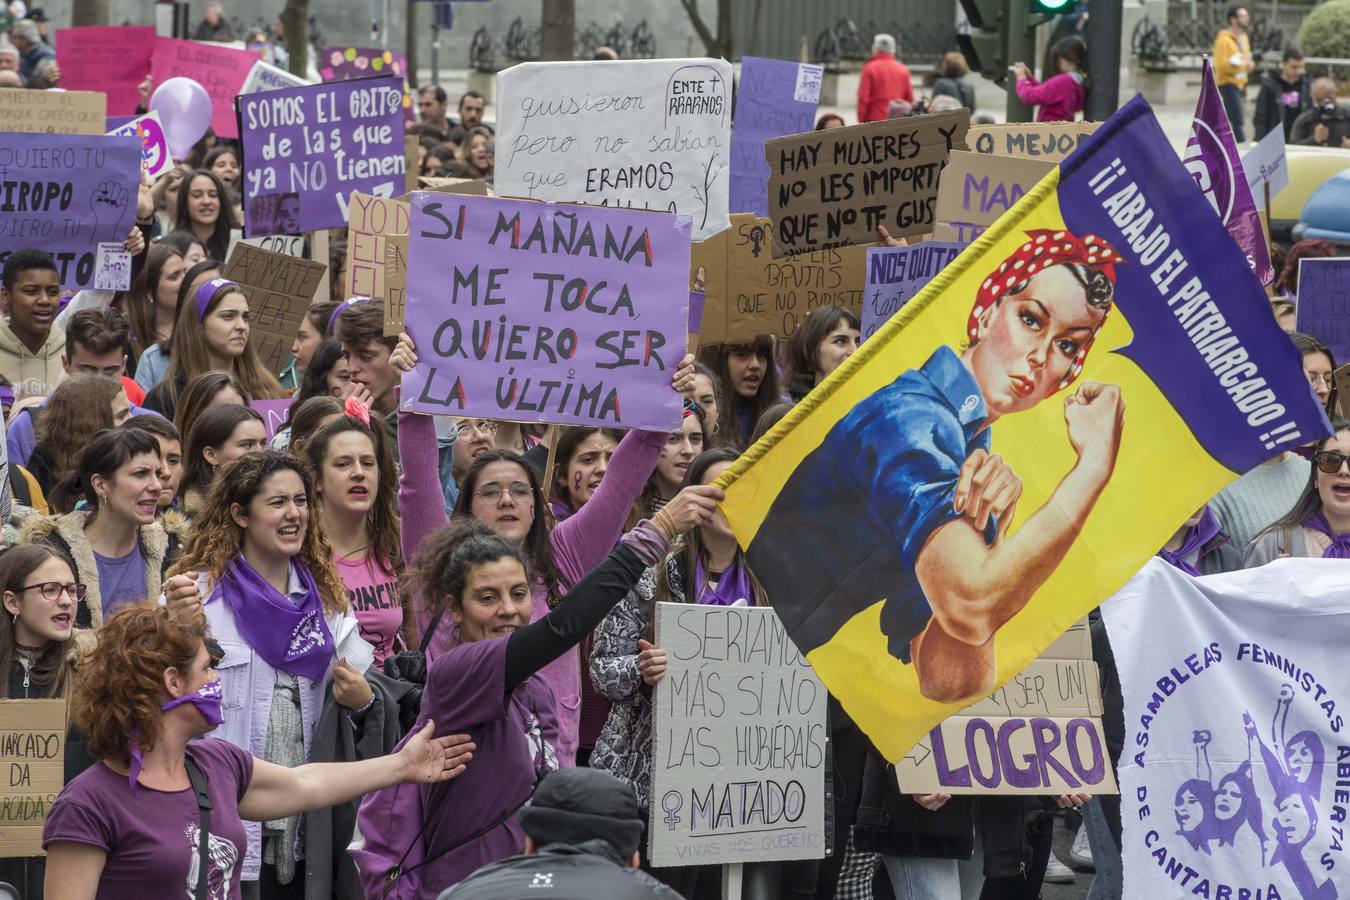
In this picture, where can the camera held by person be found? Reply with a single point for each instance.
(1327, 123)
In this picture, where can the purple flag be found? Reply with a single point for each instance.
(306, 149)
(543, 312)
(1213, 160)
(775, 98)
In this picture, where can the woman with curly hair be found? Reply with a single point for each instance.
(130, 825)
(276, 604)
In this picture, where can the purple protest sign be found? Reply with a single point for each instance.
(896, 274)
(66, 194)
(1213, 160)
(343, 63)
(306, 149)
(541, 312)
(274, 413)
(775, 98)
(1324, 303)
(147, 129)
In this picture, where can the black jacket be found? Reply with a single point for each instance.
(1274, 106)
(1306, 124)
(588, 871)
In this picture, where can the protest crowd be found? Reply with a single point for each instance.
(735, 554)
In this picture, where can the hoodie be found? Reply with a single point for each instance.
(32, 374)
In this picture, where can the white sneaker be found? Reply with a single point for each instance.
(1080, 854)
(1057, 873)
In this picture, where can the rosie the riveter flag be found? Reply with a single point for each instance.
(1097, 339)
(1235, 777)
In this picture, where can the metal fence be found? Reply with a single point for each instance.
(1181, 40)
(845, 43)
(521, 43)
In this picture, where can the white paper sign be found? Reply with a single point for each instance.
(289, 244)
(112, 268)
(646, 134)
(267, 77)
(155, 156)
(738, 741)
(808, 83)
(1266, 163)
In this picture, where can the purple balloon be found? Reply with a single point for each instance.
(185, 109)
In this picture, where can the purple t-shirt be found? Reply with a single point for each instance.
(151, 836)
(121, 579)
(516, 736)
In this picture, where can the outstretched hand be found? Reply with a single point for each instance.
(427, 760)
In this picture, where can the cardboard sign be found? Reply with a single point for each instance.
(307, 149)
(1342, 376)
(738, 741)
(33, 759)
(642, 134)
(976, 189)
(113, 59)
(344, 63)
(834, 188)
(220, 69)
(1041, 733)
(370, 220)
(1047, 141)
(67, 194)
(775, 98)
(750, 293)
(535, 312)
(1324, 302)
(413, 161)
(1267, 167)
(266, 77)
(279, 289)
(53, 112)
(896, 274)
(395, 283)
(155, 156)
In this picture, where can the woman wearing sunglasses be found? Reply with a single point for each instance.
(1319, 523)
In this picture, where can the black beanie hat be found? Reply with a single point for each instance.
(572, 806)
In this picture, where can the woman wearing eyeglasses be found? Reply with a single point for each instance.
(36, 645)
(1319, 364)
(500, 489)
(120, 551)
(1319, 523)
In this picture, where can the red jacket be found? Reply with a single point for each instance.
(884, 78)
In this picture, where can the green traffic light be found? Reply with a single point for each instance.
(1053, 7)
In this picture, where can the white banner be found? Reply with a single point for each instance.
(647, 134)
(1266, 163)
(1235, 777)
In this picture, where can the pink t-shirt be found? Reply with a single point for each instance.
(373, 595)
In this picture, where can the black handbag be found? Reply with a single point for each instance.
(410, 666)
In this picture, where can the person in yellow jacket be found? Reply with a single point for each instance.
(1232, 63)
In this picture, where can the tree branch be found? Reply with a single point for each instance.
(709, 42)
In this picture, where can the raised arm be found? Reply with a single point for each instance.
(276, 792)
(587, 537)
(586, 605)
(973, 587)
(614, 656)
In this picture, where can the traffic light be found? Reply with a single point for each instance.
(1001, 33)
(1052, 7)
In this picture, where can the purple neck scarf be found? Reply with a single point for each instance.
(207, 700)
(1340, 543)
(1197, 536)
(732, 586)
(291, 637)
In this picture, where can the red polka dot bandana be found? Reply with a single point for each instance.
(1045, 248)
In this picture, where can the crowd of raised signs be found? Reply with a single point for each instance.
(393, 626)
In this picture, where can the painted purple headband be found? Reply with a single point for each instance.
(207, 291)
(342, 308)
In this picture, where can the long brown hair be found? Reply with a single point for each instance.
(79, 408)
(188, 353)
(217, 538)
(139, 303)
(212, 429)
(1309, 502)
(121, 686)
(728, 419)
(801, 361)
(382, 520)
(50, 669)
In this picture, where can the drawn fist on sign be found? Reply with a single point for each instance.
(110, 203)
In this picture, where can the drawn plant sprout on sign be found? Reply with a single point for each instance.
(695, 93)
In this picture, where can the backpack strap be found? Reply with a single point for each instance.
(198, 779)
